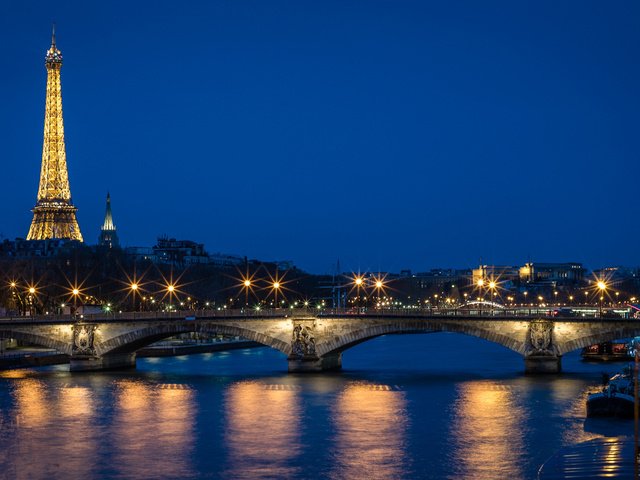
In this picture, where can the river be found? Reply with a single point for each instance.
(432, 406)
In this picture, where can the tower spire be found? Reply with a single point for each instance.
(108, 217)
(108, 236)
(53, 34)
(54, 215)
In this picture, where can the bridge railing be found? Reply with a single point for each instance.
(187, 315)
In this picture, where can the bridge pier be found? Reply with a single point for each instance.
(315, 364)
(106, 362)
(542, 363)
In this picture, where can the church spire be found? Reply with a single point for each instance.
(108, 236)
(108, 217)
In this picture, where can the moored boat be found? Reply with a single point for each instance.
(608, 351)
(616, 398)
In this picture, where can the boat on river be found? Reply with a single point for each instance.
(608, 351)
(616, 398)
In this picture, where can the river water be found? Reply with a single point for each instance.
(405, 406)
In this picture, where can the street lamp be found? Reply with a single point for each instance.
(602, 287)
(480, 284)
(275, 287)
(75, 292)
(492, 290)
(134, 289)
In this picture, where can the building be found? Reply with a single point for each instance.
(180, 252)
(21, 248)
(108, 236)
(141, 253)
(54, 215)
(552, 273)
(505, 274)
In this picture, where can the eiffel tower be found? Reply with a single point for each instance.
(54, 215)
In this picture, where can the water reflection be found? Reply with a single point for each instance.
(370, 423)
(76, 410)
(153, 422)
(50, 418)
(488, 432)
(263, 430)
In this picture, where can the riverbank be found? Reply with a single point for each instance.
(34, 357)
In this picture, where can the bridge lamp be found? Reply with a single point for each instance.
(32, 290)
(602, 287)
(12, 284)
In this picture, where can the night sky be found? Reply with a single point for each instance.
(386, 134)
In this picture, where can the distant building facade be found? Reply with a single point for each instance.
(552, 273)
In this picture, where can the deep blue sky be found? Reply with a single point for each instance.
(388, 134)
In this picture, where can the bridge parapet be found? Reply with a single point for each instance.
(310, 340)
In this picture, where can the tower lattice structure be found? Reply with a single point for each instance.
(54, 215)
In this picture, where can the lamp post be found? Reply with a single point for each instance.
(170, 291)
(75, 292)
(602, 287)
(275, 286)
(359, 282)
(32, 292)
(134, 289)
(246, 285)
(480, 284)
(492, 290)
(379, 285)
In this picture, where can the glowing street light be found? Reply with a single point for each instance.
(134, 289)
(603, 288)
(75, 292)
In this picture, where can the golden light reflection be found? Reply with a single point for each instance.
(37, 413)
(32, 410)
(168, 439)
(263, 430)
(488, 431)
(371, 423)
(76, 408)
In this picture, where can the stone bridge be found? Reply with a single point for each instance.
(311, 341)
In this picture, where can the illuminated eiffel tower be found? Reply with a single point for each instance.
(54, 215)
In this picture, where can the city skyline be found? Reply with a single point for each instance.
(422, 141)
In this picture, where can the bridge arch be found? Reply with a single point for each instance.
(598, 337)
(131, 341)
(40, 340)
(341, 343)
